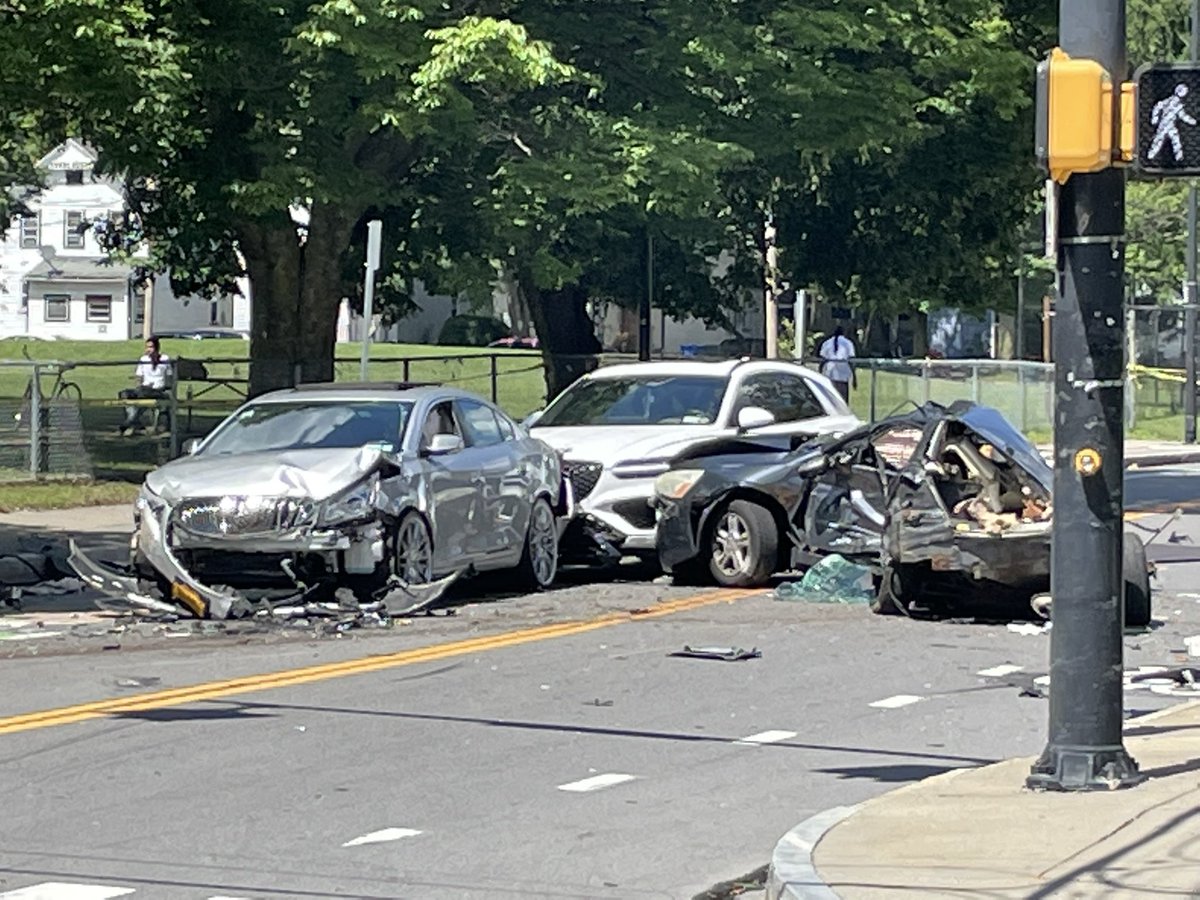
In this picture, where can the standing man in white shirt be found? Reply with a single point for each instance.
(152, 374)
(836, 353)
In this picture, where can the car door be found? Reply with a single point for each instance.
(847, 509)
(503, 500)
(451, 490)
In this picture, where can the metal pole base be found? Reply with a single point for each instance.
(1084, 769)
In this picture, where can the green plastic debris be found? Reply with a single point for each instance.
(833, 580)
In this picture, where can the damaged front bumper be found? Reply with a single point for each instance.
(356, 548)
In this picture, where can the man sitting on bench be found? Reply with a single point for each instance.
(152, 372)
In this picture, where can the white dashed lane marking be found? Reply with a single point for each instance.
(999, 671)
(596, 782)
(766, 737)
(897, 701)
(382, 836)
(65, 890)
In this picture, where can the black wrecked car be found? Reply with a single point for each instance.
(941, 503)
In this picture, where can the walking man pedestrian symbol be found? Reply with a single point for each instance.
(1165, 117)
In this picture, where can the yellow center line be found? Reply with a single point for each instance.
(211, 690)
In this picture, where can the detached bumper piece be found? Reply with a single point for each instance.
(588, 541)
(125, 592)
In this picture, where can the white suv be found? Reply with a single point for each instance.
(618, 428)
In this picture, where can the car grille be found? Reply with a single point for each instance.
(636, 512)
(242, 516)
(583, 476)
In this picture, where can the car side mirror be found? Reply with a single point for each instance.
(190, 446)
(754, 417)
(441, 444)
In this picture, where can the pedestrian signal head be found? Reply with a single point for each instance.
(1168, 137)
(1074, 131)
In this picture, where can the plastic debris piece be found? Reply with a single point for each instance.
(1192, 644)
(834, 579)
(1028, 628)
(728, 654)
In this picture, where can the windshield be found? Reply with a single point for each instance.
(638, 400)
(308, 425)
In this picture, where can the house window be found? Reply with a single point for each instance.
(58, 307)
(99, 308)
(73, 238)
(75, 176)
(30, 233)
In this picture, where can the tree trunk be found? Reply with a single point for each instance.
(295, 291)
(565, 332)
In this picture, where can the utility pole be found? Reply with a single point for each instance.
(771, 286)
(1085, 750)
(1189, 290)
(644, 313)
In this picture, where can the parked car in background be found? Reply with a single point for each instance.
(619, 427)
(359, 486)
(203, 334)
(513, 342)
(941, 503)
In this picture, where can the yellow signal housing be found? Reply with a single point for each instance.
(1075, 115)
(1128, 121)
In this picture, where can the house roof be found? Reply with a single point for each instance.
(70, 154)
(63, 268)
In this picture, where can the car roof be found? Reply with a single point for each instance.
(718, 369)
(347, 391)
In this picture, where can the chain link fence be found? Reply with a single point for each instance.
(63, 419)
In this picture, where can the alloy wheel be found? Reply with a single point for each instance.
(414, 552)
(543, 543)
(731, 544)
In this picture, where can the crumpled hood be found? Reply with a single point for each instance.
(288, 473)
(611, 444)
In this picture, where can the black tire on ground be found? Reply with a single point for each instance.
(742, 545)
(889, 597)
(1136, 578)
(539, 559)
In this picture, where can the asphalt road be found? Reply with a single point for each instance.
(504, 752)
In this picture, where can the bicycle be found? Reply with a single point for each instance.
(61, 390)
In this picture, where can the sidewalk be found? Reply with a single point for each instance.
(980, 833)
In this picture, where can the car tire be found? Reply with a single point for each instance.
(889, 597)
(743, 545)
(412, 550)
(1136, 579)
(539, 558)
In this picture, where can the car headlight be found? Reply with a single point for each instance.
(675, 484)
(148, 501)
(353, 505)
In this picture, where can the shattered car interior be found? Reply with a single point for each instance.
(360, 500)
(942, 503)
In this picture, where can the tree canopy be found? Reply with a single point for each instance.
(544, 140)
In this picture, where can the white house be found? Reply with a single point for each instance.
(55, 281)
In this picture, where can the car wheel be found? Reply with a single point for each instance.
(743, 545)
(412, 550)
(889, 599)
(539, 560)
(1136, 579)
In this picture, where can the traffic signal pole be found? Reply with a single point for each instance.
(1085, 749)
(1189, 292)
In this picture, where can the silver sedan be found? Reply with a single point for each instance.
(375, 489)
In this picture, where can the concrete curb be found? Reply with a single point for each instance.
(792, 875)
